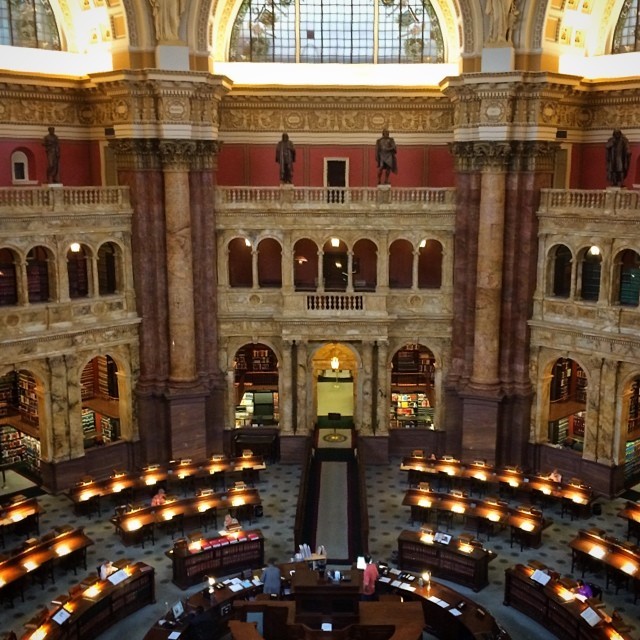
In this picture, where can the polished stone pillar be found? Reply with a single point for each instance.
(366, 427)
(489, 266)
(302, 411)
(285, 388)
(22, 282)
(382, 393)
(176, 160)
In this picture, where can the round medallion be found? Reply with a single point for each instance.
(334, 437)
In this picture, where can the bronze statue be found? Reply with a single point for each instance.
(386, 157)
(285, 157)
(618, 158)
(52, 148)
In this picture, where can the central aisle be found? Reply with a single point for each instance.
(332, 529)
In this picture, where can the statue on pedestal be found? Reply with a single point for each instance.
(285, 157)
(618, 158)
(386, 157)
(166, 16)
(52, 148)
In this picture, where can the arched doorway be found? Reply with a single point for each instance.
(335, 377)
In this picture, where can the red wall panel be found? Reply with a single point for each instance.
(79, 161)
(255, 165)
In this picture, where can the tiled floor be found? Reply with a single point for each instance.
(279, 491)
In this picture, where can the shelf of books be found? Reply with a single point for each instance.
(8, 397)
(632, 459)
(19, 447)
(27, 398)
(410, 410)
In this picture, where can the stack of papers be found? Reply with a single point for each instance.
(441, 603)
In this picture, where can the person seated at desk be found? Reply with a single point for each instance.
(432, 457)
(106, 569)
(271, 578)
(555, 476)
(369, 579)
(583, 589)
(159, 499)
(230, 522)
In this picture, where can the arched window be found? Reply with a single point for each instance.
(334, 265)
(590, 276)
(629, 278)
(626, 36)
(38, 274)
(28, 23)
(400, 265)
(561, 272)
(78, 272)
(337, 31)
(269, 263)
(8, 280)
(305, 265)
(430, 265)
(365, 265)
(107, 269)
(240, 263)
(20, 168)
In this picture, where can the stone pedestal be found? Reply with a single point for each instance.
(498, 59)
(172, 57)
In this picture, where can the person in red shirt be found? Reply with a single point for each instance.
(369, 579)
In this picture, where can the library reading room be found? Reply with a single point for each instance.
(413, 414)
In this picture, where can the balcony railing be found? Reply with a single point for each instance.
(335, 302)
(61, 199)
(292, 197)
(610, 201)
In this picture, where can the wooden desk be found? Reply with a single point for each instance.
(36, 559)
(457, 561)
(242, 502)
(448, 614)
(21, 513)
(318, 599)
(526, 522)
(217, 556)
(217, 606)
(99, 604)
(555, 607)
(631, 513)
(621, 560)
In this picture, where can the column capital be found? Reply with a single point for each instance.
(481, 154)
(206, 154)
(136, 153)
(176, 155)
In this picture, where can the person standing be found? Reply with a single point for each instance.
(52, 148)
(271, 578)
(285, 157)
(369, 579)
(386, 157)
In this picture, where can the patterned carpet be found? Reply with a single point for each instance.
(279, 491)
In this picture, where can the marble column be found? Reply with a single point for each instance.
(414, 269)
(255, 282)
(302, 412)
(366, 427)
(382, 264)
(94, 290)
(176, 160)
(382, 392)
(285, 388)
(486, 352)
(22, 281)
(320, 287)
(230, 417)
(350, 271)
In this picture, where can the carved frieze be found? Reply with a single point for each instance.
(346, 114)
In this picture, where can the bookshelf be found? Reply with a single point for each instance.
(581, 385)
(8, 395)
(632, 459)
(218, 556)
(27, 398)
(633, 421)
(256, 366)
(410, 410)
(561, 380)
(19, 447)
